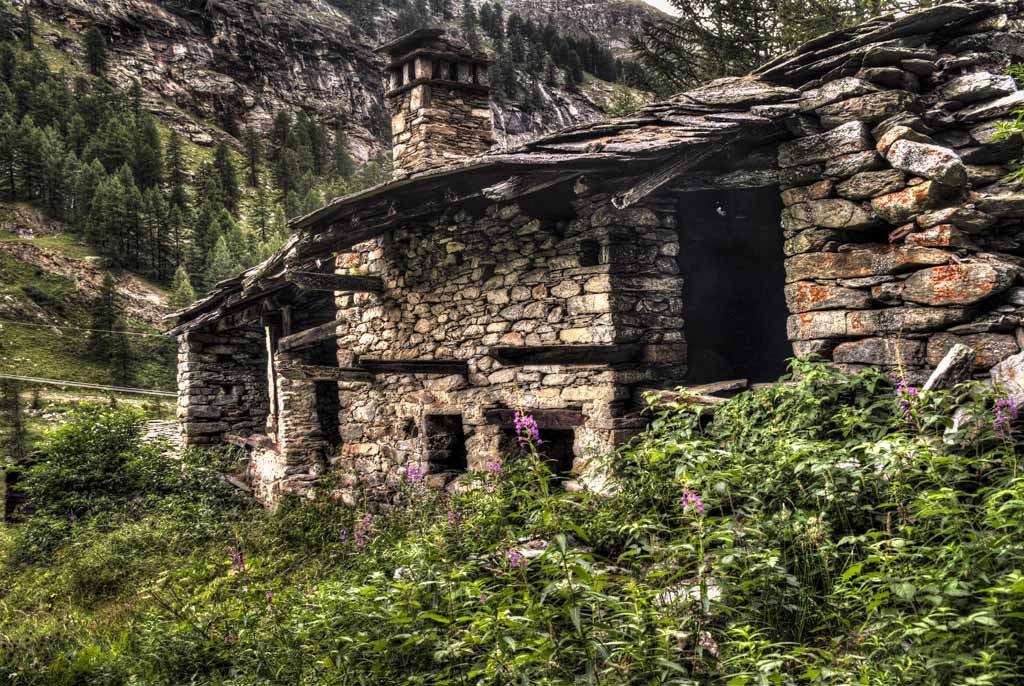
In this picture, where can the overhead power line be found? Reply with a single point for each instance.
(79, 328)
(89, 386)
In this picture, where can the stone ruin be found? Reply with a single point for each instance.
(846, 200)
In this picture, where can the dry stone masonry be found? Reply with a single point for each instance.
(846, 200)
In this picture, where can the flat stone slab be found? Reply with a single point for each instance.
(980, 85)
(958, 284)
(928, 161)
(868, 261)
(848, 138)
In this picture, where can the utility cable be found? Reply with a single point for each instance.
(89, 386)
(78, 328)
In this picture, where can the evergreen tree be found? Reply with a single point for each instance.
(253, 155)
(96, 52)
(13, 420)
(28, 30)
(148, 161)
(342, 164)
(261, 214)
(574, 76)
(469, 23)
(182, 293)
(122, 360)
(105, 317)
(176, 172)
(8, 157)
(220, 265)
(227, 176)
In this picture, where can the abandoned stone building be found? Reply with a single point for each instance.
(847, 199)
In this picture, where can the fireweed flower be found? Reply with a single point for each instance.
(1007, 412)
(516, 559)
(238, 562)
(527, 430)
(691, 501)
(494, 470)
(270, 597)
(454, 519)
(344, 536)
(905, 397)
(362, 530)
(414, 476)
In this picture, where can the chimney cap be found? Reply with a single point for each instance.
(431, 40)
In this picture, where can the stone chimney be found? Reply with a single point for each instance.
(439, 97)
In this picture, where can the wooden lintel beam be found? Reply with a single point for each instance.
(521, 186)
(568, 354)
(309, 372)
(546, 419)
(315, 281)
(309, 337)
(415, 366)
(663, 173)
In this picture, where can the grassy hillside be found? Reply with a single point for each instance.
(827, 532)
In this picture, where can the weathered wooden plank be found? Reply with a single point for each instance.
(309, 337)
(309, 372)
(546, 419)
(415, 366)
(521, 186)
(567, 354)
(315, 281)
(665, 172)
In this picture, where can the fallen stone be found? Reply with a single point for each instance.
(992, 109)
(902, 206)
(863, 323)
(829, 214)
(978, 86)
(881, 351)
(853, 163)
(1008, 377)
(871, 184)
(1003, 205)
(899, 133)
(870, 260)
(955, 368)
(804, 296)
(891, 77)
(928, 161)
(958, 284)
(965, 218)
(871, 108)
(848, 138)
(816, 191)
(991, 348)
(833, 91)
(941, 236)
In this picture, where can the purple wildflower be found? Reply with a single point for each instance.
(362, 531)
(691, 500)
(238, 562)
(344, 536)
(483, 598)
(414, 476)
(1007, 412)
(454, 519)
(230, 638)
(270, 597)
(494, 470)
(905, 396)
(516, 559)
(527, 430)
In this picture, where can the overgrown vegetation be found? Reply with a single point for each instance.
(831, 531)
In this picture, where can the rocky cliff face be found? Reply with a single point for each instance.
(612, 20)
(203, 61)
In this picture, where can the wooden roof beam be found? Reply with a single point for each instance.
(316, 281)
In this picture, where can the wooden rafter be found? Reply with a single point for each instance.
(546, 419)
(689, 158)
(316, 281)
(568, 354)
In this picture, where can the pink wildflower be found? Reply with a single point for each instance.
(691, 501)
(527, 429)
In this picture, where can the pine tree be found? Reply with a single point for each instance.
(176, 172)
(182, 293)
(96, 52)
(342, 164)
(8, 157)
(575, 72)
(13, 418)
(227, 176)
(104, 320)
(220, 265)
(253, 155)
(469, 23)
(28, 30)
(122, 359)
(260, 216)
(148, 161)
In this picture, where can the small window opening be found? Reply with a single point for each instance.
(399, 77)
(412, 71)
(435, 70)
(445, 443)
(476, 74)
(590, 253)
(328, 406)
(453, 72)
(557, 448)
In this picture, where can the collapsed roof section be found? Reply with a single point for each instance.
(631, 156)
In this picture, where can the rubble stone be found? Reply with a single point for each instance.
(867, 185)
(848, 138)
(929, 161)
(978, 86)
(958, 284)
(955, 368)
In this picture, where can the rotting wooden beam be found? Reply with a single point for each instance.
(546, 419)
(665, 172)
(415, 366)
(316, 281)
(567, 354)
(310, 337)
(516, 187)
(310, 372)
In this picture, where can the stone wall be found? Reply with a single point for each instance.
(222, 386)
(901, 240)
(458, 288)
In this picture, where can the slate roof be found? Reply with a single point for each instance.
(725, 111)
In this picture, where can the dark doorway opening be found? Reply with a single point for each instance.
(557, 448)
(734, 307)
(328, 405)
(446, 443)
